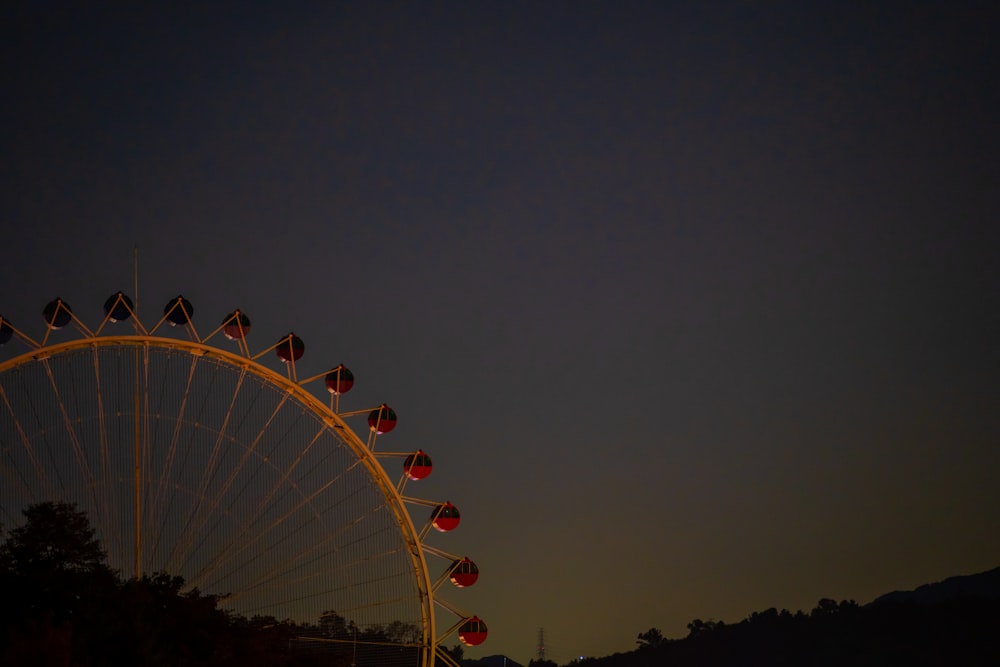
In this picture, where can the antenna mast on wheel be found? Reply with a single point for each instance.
(137, 473)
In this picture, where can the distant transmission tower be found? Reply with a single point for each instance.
(540, 649)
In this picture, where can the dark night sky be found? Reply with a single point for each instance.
(695, 305)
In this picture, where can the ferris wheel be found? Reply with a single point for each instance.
(235, 469)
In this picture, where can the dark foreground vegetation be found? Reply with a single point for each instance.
(62, 606)
(899, 629)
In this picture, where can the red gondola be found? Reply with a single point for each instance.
(290, 348)
(464, 572)
(417, 465)
(339, 380)
(445, 517)
(236, 326)
(473, 632)
(382, 419)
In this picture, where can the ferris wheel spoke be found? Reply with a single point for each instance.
(309, 565)
(211, 467)
(248, 452)
(25, 441)
(148, 428)
(16, 482)
(283, 482)
(280, 578)
(143, 469)
(105, 455)
(258, 514)
(71, 433)
(285, 440)
(198, 513)
(201, 514)
(318, 550)
(161, 505)
(356, 609)
(239, 545)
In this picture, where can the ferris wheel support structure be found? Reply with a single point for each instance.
(140, 344)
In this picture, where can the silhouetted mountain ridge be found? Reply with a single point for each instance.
(982, 585)
(943, 624)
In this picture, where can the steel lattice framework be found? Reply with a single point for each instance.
(194, 460)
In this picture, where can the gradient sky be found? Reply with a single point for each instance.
(695, 305)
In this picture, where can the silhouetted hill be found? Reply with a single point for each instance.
(492, 661)
(953, 622)
(982, 585)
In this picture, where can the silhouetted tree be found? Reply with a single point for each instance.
(62, 606)
(828, 607)
(942, 634)
(650, 638)
(456, 652)
(57, 588)
(699, 628)
(333, 625)
(542, 663)
(55, 537)
(399, 632)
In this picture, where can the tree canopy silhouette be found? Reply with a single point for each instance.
(55, 537)
(959, 631)
(64, 606)
(650, 638)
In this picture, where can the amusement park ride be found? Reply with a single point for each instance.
(206, 462)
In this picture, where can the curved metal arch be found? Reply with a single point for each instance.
(332, 420)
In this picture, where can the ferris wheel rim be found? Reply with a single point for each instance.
(332, 419)
(296, 390)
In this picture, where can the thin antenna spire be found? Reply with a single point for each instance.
(540, 649)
